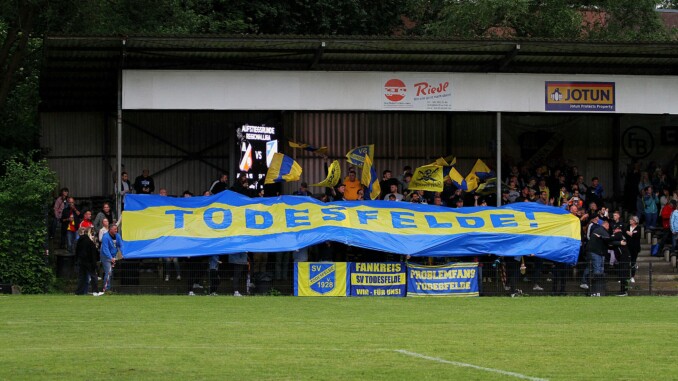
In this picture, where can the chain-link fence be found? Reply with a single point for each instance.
(272, 274)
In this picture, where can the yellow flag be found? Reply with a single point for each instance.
(481, 170)
(451, 160)
(472, 182)
(468, 184)
(319, 150)
(427, 178)
(333, 176)
(447, 161)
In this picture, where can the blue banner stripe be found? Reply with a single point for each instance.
(560, 249)
(141, 201)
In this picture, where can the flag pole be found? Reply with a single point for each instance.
(499, 158)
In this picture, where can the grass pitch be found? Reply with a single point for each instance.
(287, 338)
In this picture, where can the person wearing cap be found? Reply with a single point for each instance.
(337, 193)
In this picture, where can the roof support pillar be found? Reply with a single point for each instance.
(118, 155)
(498, 158)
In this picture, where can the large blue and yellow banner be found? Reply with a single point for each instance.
(320, 279)
(378, 279)
(454, 279)
(156, 226)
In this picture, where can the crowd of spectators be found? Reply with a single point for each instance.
(651, 200)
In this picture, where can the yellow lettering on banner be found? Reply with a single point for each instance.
(323, 274)
(378, 267)
(362, 279)
(444, 286)
(218, 220)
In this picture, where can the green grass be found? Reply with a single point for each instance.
(287, 338)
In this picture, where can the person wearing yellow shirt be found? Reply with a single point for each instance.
(352, 186)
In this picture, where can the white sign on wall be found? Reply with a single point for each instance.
(433, 93)
(407, 91)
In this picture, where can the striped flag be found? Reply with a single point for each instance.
(283, 169)
(370, 179)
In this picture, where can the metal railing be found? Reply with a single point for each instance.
(272, 274)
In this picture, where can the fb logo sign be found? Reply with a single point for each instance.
(637, 142)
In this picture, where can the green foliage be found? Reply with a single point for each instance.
(224, 17)
(18, 119)
(620, 20)
(25, 191)
(507, 18)
(632, 20)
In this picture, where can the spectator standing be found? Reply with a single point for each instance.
(632, 236)
(87, 255)
(650, 202)
(239, 262)
(599, 239)
(667, 236)
(109, 249)
(105, 214)
(144, 184)
(126, 188)
(387, 180)
(623, 256)
(86, 220)
(673, 223)
(595, 192)
(70, 217)
(405, 184)
(219, 185)
(352, 186)
(241, 185)
(104, 229)
(214, 274)
(58, 209)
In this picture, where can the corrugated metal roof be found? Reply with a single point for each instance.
(80, 73)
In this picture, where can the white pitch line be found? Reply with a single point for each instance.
(465, 365)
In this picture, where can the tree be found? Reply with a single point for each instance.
(25, 191)
(621, 20)
(631, 20)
